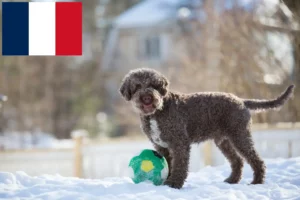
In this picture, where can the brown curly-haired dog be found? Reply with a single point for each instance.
(173, 121)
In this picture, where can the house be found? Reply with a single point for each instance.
(143, 34)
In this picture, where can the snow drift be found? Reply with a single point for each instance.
(282, 182)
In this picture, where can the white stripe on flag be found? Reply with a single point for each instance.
(42, 28)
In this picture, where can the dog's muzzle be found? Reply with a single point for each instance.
(146, 99)
(147, 103)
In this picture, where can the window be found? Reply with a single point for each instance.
(150, 48)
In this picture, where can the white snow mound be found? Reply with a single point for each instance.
(282, 182)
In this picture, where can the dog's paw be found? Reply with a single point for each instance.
(259, 181)
(232, 180)
(173, 184)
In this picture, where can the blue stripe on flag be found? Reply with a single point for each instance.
(15, 34)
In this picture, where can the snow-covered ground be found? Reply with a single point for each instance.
(282, 182)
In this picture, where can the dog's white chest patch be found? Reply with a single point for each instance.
(155, 134)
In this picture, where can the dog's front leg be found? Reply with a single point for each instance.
(180, 154)
(165, 153)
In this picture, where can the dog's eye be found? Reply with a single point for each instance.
(138, 86)
(154, 87)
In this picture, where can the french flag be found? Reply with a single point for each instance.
(41, 28)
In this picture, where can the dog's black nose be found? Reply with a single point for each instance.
(147, 99)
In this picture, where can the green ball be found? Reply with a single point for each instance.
(149, 166)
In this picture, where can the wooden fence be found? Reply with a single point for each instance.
(100, 160)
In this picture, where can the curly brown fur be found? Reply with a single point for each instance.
(173, 121)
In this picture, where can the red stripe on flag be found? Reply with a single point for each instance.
(68, 28)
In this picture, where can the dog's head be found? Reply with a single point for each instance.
(145, 88)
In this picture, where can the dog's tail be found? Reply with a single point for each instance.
(261, 105)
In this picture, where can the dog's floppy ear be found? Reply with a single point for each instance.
(164, 86)
(125, 89)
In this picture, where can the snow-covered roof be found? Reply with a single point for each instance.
(268, 13)
(152, 12)
(268, 8)
(147, 13)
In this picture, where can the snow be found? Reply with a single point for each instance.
(282, 182)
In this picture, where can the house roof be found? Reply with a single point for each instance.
(268, 8)
(152, 12)
(273, 13)
(147, 13)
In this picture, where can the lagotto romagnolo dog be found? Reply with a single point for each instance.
(173, 121)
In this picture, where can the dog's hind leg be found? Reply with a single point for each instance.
(243, 143)
(235, 160)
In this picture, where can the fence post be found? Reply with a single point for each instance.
(78, 137)
(290, 149)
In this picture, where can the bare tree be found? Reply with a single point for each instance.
(59, 94)
(294, 6)
(230, 52)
